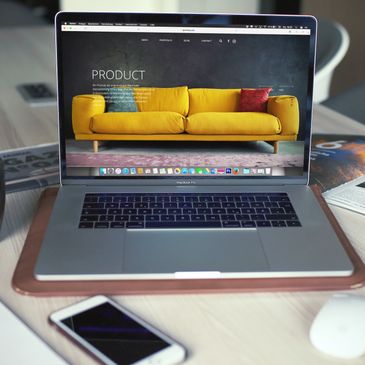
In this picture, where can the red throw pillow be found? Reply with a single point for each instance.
(254, 100)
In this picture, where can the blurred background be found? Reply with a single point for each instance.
(340, 75)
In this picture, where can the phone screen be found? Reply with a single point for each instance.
(115, 334)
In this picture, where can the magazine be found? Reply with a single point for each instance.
(336, 159)
(30, 167)
(338, 168)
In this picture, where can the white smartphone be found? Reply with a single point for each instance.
(115, 336)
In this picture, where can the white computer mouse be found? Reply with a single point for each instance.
(339, 327)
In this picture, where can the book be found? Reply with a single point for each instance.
(30, 167)
(336, 159)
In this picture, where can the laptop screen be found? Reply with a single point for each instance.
(164, 95)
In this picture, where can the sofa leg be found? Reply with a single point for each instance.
(276, 146)
(95, 146)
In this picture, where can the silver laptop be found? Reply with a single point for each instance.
(184, 150)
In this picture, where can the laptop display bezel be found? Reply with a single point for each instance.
(175, 19)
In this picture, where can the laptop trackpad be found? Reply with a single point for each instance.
(170, 251)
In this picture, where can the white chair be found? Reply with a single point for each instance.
(333, 43)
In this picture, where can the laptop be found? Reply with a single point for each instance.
(184, 150)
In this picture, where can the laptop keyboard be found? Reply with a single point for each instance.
(162, 210)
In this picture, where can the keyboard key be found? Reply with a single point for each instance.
(148, 199)
(227, 217)
(199, 205)
(129, 211)
(91, 199)
(111, 205)
(248, 224)
(257, 217)
(197, 217)
(182, 224)
(152, 218)
(262, 210)
(285, 205)
(212, 217)
(105, 199)
(93, 211)
(159, 211)
(126, 205)
(206, 199)
(189, 211)
(219, 211)
(86, 225)
(179, 199)
(144, 211)
(89, 218)
(220, 198)
(106, 218)
(174, 211)
(214, 205)
(278, 223)
(229, 205)
(231, 224)
(185, 205)
(134, 224)
(118, 199)
(167, 217)
(122, 218)
(277, 210)
(93, 205)
(141, 205)
(163, 198)
(263, 224)
(117, 225)
(248, 210)
(183, 217)
(134, 199)
(204, 211)
(156, 205)
(293, 224)
(257, 205)
(279, 199)
(191, 199)
(233, 210)
(271, 204)
(137, 218)
(243, 217)
(170, 205)
(281, 217)
(114, 211)
(101, 225)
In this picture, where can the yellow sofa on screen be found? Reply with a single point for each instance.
(182, 114)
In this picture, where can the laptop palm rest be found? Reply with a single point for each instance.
(200, 250)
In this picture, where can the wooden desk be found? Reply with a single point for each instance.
(250, 329)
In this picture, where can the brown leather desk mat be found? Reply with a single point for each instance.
(24, 281)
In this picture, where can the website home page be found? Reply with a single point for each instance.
(153, 101)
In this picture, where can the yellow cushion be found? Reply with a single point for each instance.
(167, 99)
(286, 108)
(233, 123)
(138, 123)
(83, 108)
(213, 100)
